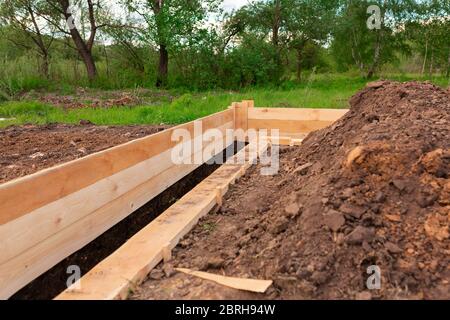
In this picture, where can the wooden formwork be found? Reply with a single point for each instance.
(47, 216)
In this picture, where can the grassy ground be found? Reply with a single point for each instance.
(319, 91)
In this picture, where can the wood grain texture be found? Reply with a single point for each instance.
(20, 234)
(37, 241)
(302, 114)
(26, 194)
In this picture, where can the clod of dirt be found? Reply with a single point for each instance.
(334, 220)
(437, 226)
(360, 235)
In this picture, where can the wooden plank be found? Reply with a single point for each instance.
(20, 234)
(250, 103)
(130, 264)
(252, 285)
(287, 127)
(70, 177)
(23, 268)
(303, 114)
(241, 115)
(285, 140)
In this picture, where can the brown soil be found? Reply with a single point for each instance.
(376, 191)
(93, 98)
(28, 149)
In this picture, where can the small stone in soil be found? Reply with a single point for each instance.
(380, 197)
(399, 184)
(292, 209)
(303, 169)
(334, 220)
(280, 226)
(392, 248)
(352, 210)
(156, 274)
(365, 295)
(359, 235)
(215, 263)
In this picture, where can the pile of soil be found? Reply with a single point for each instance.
(371, 190)
(28, 149)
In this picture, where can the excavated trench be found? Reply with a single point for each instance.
(53, 282)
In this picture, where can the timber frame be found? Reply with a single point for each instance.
(49, 215)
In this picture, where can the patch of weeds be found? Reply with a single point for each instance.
(208, 227)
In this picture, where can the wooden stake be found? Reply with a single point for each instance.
(167, 252)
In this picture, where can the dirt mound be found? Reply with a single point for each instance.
(375, 192)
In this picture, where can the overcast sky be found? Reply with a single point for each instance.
(233, 4)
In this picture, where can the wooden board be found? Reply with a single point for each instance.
(70, 177)
(129, 265)
(241, 115)
(302, 114)
(35, 242)
(287, 127)
(24, 232)
(252, 285)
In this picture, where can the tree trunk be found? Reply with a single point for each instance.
(425, 58)
(299, 64)
(89, 63)
(276, 39)
(376, 57)
(163, 65)
(163, 68)
(85, 54)
(448, 65)
(276, 23)
(83, 49)
(431, 63)
(44, 69)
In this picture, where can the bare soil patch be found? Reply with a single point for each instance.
(27, 149)
(376, 191)
(92, 98)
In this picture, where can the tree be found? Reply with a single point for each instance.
(369, 48)
(169, 24)
(308, 21)
(289, 24)
(61, 15)
(430, 35)
(30, 32)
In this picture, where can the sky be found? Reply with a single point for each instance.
(229, 5)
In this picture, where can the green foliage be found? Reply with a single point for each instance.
(263, 44)
(320, 91)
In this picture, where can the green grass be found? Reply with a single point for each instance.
(319, 91)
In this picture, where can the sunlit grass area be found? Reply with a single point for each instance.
(318, 91)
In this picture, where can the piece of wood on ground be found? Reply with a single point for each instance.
(252, 285)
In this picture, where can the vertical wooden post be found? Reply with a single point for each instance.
(250, 103)
(241, 114)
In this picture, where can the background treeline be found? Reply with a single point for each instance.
(193, 44)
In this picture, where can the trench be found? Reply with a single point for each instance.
(51, 283)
